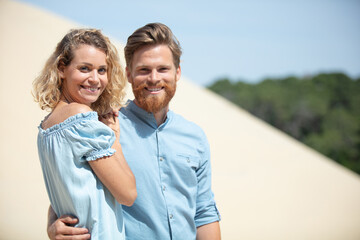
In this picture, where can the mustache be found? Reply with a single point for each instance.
(145, 85)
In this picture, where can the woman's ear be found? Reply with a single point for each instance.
(61, 69)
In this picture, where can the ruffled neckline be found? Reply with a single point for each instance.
(70, 120)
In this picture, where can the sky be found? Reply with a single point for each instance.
(247, 40)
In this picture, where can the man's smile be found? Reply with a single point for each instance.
(154, 90)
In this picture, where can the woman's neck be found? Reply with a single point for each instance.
(66, 97)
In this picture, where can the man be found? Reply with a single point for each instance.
(168, 155)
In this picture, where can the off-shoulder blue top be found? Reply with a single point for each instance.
(64, 151)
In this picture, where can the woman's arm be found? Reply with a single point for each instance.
(113, 171)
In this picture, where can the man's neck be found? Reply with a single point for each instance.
(160, 116)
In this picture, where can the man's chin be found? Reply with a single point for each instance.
(154, 103)
(152, 106)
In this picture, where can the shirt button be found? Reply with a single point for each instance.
(161, 159)
(163, 188)
(171, 216)
(188, 160)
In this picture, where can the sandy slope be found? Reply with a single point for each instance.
(267, 185)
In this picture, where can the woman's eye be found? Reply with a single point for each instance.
(102, 70)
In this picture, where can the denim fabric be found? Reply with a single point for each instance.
(171, 164)
(73, 188)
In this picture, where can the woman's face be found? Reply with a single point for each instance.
(85, 78)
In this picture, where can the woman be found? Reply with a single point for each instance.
(83, 166)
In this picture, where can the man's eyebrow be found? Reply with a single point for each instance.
(165, 65)
(147, 66)
(141, 66)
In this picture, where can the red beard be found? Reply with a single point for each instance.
(153, 103)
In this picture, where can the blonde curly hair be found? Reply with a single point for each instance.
(47, 86)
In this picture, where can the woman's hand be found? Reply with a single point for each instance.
(110, 119)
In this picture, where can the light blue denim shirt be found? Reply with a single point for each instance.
(64, 151)
(171, 164)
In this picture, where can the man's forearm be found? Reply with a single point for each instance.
(51, 216)
(209, 231)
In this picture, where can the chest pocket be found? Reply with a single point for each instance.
(190, 161)
(188, 166)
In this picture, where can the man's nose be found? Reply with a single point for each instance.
(154, 76)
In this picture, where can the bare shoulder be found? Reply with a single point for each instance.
(63, 112)
(74, 108)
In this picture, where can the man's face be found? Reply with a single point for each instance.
(153, 77)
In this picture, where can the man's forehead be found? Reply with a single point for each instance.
(160, 55)
(153, 48)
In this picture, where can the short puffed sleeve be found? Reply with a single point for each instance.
(89, 138)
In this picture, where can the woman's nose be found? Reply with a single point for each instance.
(94, 76)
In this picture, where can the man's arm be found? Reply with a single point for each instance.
(60, 228)
(207, 216)
(209, 231)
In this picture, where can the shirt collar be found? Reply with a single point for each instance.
(147, 117)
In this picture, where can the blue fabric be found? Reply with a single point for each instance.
(171, 164)
(73, 188)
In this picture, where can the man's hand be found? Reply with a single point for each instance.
(62, 229)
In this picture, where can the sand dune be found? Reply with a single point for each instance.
(267, 185)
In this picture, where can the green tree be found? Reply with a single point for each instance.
(321, 111)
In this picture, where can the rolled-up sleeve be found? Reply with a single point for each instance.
(206, 210)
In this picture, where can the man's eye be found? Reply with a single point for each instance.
(164, 69)
(102, 70)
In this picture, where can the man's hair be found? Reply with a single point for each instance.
(47, 86)
(152, 34)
